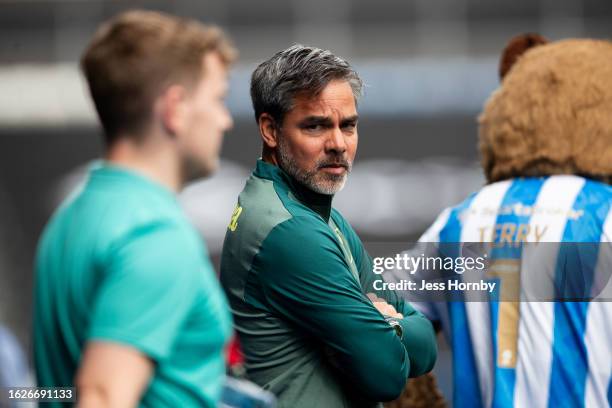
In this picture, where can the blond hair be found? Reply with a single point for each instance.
(132, 57)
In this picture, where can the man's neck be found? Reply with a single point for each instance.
(269, 156)
(154, 162)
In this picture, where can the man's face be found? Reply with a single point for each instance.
(317, 141)
(206, 119)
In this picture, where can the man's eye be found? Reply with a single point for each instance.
(349, 127)
(314, 127)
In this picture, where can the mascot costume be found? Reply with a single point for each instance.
(545, 139)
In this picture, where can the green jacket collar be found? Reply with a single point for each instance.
(319, 203)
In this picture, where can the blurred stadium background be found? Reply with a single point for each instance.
(428, 66)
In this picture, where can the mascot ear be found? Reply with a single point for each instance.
(517, 47)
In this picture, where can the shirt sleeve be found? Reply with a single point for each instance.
(147, 290)
(428, 245)
(419, 335)
(305, 280)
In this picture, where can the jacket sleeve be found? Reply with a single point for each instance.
(419, 334)
(305, 280)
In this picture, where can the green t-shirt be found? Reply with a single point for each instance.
(120, 262)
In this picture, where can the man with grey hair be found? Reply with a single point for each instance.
(300, 283)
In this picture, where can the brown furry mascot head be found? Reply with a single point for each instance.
(552, 113)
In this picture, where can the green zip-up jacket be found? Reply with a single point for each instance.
(296, 275)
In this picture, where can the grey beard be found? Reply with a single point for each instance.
(331, 183)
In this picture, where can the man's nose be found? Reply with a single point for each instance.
(335, 141)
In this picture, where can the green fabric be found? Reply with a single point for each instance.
(119, 262)
(308, 331)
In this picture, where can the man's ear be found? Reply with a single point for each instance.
(171, 109)
(268, 130)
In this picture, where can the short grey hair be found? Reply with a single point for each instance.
(276, 81)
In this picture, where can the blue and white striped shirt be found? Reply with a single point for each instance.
(530, 354)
